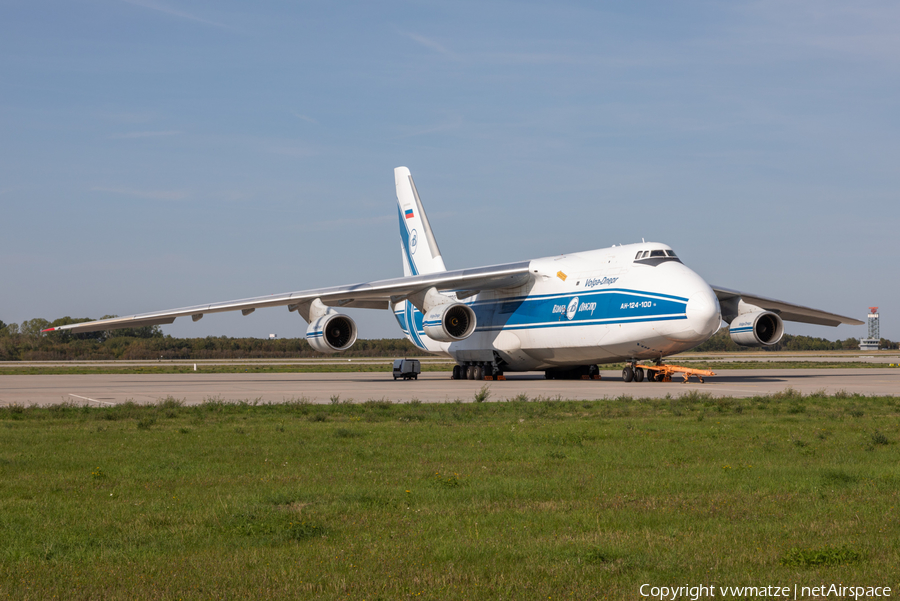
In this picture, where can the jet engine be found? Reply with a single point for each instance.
(449, 322)
(331, 333)
(760, 328)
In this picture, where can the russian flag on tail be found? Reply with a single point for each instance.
(409, 214)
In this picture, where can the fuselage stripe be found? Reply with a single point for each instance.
(593, 322)
(404, 235)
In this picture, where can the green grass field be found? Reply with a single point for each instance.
(517, 499)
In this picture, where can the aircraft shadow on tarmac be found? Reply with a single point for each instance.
(723, 379)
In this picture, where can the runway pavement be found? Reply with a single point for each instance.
(100, 390)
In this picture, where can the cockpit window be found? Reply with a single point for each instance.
(656, 256)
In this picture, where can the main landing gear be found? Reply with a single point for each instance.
(477, 371)
(494, 371)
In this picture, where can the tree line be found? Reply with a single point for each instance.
(722, 341)
(26, 342)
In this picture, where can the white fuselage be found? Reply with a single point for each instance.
(594, 307)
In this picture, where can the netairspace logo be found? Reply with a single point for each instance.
(694, 593)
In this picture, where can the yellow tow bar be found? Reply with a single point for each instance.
(664, 373)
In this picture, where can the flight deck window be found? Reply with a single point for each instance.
(646, 254)
(637, 256)
(670, 253)
(658, 253)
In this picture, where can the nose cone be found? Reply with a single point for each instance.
(703, 317)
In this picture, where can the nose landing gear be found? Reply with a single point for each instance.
(633, 373)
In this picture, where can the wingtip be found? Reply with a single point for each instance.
(48, 330)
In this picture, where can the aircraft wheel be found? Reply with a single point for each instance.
(651, 375)
(470, 372)
(416, 377)
(638, 374)
(454, 375)
(479, 373)
(548, 375)
(627, 374)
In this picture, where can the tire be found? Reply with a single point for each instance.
(479, 373)
(470, 372)
(548, 375)
(416, 377)
(651, 375)
(456, 371)
(627, 374)
(395, 378)
(638, 374)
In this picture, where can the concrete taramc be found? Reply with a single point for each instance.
(431, 387)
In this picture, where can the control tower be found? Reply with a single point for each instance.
(873, 339)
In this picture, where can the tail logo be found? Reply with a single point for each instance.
(413, 242)
(408, 213)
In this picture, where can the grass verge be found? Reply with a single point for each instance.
(495, 500)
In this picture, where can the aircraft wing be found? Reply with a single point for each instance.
(787, 311)
(366, 295)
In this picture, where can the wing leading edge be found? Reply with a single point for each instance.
(365, 295)
(787, 311)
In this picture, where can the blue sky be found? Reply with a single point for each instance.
(158, 154)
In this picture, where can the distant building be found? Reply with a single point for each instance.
(272, 336)
(872, 341)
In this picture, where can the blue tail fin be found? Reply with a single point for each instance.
(421, 254)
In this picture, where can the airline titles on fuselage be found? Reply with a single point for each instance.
(592, 282)
(574, 307)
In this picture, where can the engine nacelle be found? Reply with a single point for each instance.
(449, 322)
(331, 333)
(761, 328)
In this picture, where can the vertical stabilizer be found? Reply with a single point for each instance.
(421, 254)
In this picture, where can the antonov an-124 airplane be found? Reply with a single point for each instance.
(564, 315)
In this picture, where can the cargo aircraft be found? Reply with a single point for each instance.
(565, 315)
